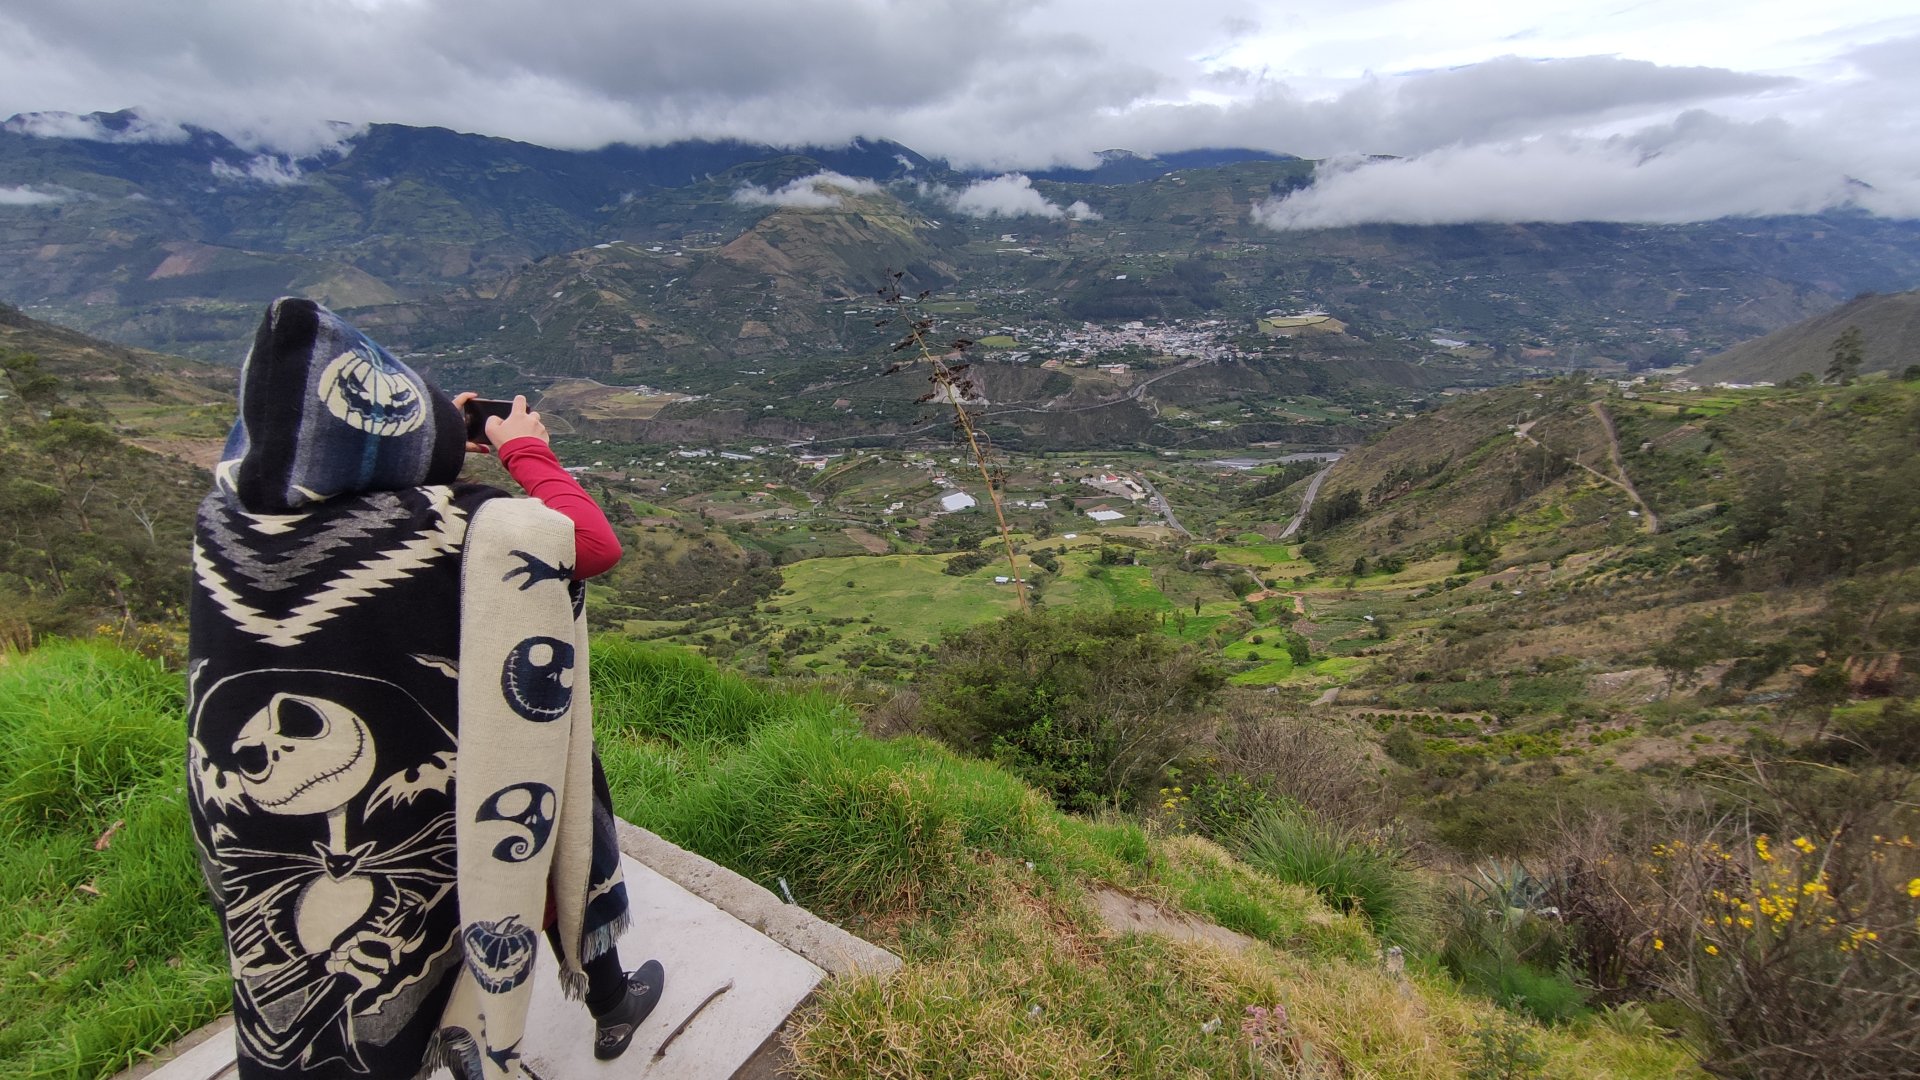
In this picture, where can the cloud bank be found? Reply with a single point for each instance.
(821, 191)
(62, 125)
(1697, 168)
(1010, 195)
(22, 195)
(1008, 86)
(262, 169)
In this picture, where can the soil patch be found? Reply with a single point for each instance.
(1127, 914)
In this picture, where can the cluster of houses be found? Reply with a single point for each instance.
(1208, 339)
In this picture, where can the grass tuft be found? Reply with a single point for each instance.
(1352, 873)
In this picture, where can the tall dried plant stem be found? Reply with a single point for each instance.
(944, 378)
(948, 384)
(993, 491)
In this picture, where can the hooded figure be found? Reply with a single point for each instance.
(381, 921)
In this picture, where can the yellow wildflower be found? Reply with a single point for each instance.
(1658, 945)
(1713, 950)
(1913, 888)
(1760, 849)
(1805, 845)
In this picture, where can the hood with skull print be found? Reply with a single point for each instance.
(324, 412)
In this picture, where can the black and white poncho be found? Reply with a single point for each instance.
(381, 919)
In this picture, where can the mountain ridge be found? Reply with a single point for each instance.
(1890, 334)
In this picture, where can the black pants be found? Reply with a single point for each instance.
(606, 979)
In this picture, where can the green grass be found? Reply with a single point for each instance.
(973, 878)
(908, 595)
(102, 953)
(1257, 554)
(1132, 587)
(1273, 671)
(1348, 872)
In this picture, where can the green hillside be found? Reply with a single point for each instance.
(104, 454)
(1889, 329)
(1629, 667)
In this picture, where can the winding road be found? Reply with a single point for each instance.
(1158, 502)
(1306, 504)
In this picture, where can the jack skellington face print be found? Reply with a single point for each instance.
(537, 678)
(332, 848)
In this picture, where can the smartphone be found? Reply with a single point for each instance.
(477, 410)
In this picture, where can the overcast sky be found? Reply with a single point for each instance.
(1661, 110)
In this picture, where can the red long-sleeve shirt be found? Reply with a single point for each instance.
(532, 465)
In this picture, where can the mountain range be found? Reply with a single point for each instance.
(686, 266)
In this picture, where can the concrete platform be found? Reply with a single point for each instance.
(707, 926)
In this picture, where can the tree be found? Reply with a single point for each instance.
(1847, 353)
(36, 389)
(1697, 641)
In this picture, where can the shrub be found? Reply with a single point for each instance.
(1793, 925)
(1504, 940)
(1306, 761)
(1351, 871)
(1090, 707)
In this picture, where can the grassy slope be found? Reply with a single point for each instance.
(974, 879)
(1888, 327)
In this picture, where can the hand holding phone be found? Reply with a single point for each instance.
(477, 410)
(498, 430)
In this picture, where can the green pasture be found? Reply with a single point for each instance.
(908, 595)
(1270, 554)
(1133, 587)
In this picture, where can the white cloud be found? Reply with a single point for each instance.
(137, 128)
(262, 169)
(1011, 195)
(821, 191)
(1699, 167)
(1080, 211)
(22, 195)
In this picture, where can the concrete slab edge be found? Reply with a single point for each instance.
(196, 1042)
(827, 946)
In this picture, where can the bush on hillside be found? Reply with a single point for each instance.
(1793, 923)
(1504, 939)
(1323, 767)
(1352, 871)
(1090, 707)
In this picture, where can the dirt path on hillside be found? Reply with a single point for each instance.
(1620, 465)
(1621, 481)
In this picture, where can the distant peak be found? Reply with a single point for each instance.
(124, 126)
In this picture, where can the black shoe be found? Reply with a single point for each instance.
(613, 1029)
